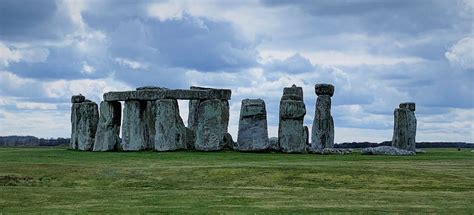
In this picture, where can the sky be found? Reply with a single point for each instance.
(376, 53)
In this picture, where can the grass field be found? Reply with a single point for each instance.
(59, 180)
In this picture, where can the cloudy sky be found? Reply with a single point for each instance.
(376, 53)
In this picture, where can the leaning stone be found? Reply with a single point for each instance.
(134, 127)
(253, 133)
(88, 117)
(386, 150)
(78, 98)
(323, 124)
(108, 131)
(229, 142)
(75, 118)
(404, 129)
(212, 122)
(170, 130)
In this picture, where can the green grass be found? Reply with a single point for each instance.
(58, 180)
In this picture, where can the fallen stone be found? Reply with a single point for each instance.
(334, 151)
(134, 128)
(386, 150)
(212, 122)
(108, 130)
(253, 133)
(170, 130)
(229, 142)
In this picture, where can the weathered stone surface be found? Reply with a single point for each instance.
(323, 125)
(324, 89)
(155, 94)
(229, 142)
(212, 122)
(151, 88)
(408, 105)
(292, 135)
(334, 151)
(78, 98)
(134, 127)
(150, 119)
(253, 133)
(170, 130)
(386, 150)
(193, 113)
(404, 129)
(274, 145)
(108, 130)
(84, 119)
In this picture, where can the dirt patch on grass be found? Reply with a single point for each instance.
(16, 180)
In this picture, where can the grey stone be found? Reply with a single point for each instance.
(150, 116)
(386, 150)
(151, 88)
(292, 135)
(84, 120)
(274, 145)
(108, 130)
(323, 124)
(78, 98)
(253, 132)
(155, 94)
(334, 151)
(404, 129)
(134, 127)
(229, 142)
(324, 89)
(170, 130)
(212, 122)
(408, 105)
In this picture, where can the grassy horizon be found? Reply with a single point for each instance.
(59, 180)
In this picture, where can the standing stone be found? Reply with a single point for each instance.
(134, 127)
(150, 119)
(170, 130)
(292, 135)
(323, 124)
(108, 131)
(404, 129)
(212, 122)
(84, 119)
(253, 132)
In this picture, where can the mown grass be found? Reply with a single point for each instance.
(58, 180)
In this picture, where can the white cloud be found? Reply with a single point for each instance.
(87, 69)
(337, 58)
(462, 53)
(35, 106)
(131, 64)
(30, 55)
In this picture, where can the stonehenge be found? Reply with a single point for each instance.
(404, 127)
(323, 125)
(148, 118)
(84, 120)
(253, 132)
(292, 135)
